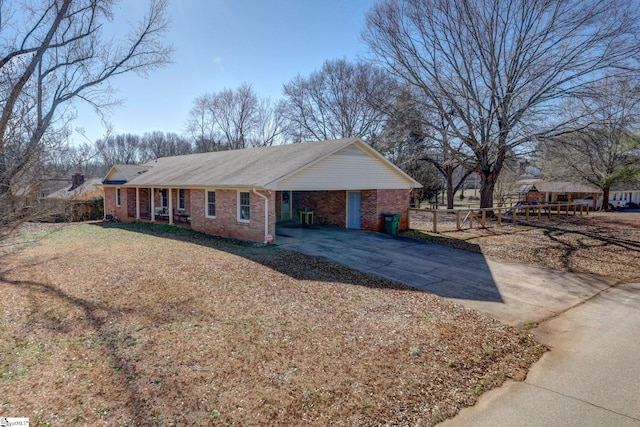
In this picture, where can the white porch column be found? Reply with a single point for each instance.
(137, 202)
(153, 204)
(170, 206)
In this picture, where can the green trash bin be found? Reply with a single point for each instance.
(392, 224)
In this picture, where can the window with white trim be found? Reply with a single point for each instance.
(163, 198)
(244, 206)
(181, 199)
(211, 204)
(118, 197)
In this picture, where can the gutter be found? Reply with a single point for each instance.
(266, 214)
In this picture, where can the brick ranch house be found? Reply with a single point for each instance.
(243, 193)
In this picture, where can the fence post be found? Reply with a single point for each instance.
(483, 216)
(458, 220)
(435, 221)
(499, 216)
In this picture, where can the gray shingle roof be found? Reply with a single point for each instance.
(253, 167)
(565, 187)
(90, 189)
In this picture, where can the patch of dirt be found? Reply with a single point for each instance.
(141, 325)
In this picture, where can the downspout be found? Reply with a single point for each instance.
(266, 214)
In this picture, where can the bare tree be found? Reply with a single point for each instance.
(160, 144)
(125, 149)
(495, 71)
(409, 143)
(235, 114)
(271, 125)
(234, 119)
(605, 150)
(337, 101)
(201, 126)
(52, 53)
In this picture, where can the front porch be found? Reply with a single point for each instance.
(171, 206)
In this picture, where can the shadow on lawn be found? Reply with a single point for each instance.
(100, 318)
(293, 264)
(423, 267)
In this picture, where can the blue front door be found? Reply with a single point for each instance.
(353, 209)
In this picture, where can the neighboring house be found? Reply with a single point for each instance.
(539, 191)
(81, 201)
(625, 194)
(244, 193)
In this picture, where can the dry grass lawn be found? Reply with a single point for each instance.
(134, 325)
(603, 243)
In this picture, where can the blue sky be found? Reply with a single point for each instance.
(224, 43)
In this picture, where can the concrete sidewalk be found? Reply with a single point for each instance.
(591, 376)
(512, 293)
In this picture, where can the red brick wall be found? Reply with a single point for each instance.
(330, 206)
(145, 206)
(369, 210)
(393, 202)
(131, 201)
(110, 207)
(278, 204)
(226, 223)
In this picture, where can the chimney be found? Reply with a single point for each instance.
(77, 179)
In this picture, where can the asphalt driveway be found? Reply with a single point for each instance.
(591, 376)
(512, 293)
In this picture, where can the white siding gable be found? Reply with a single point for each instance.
(351, 168)
(115, 175)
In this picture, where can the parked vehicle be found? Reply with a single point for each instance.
(614, 203)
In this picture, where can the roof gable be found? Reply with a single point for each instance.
(121, 174)
(354, 167)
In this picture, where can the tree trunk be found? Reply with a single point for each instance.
(605, 198)
(488, 183)
(450, 191)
